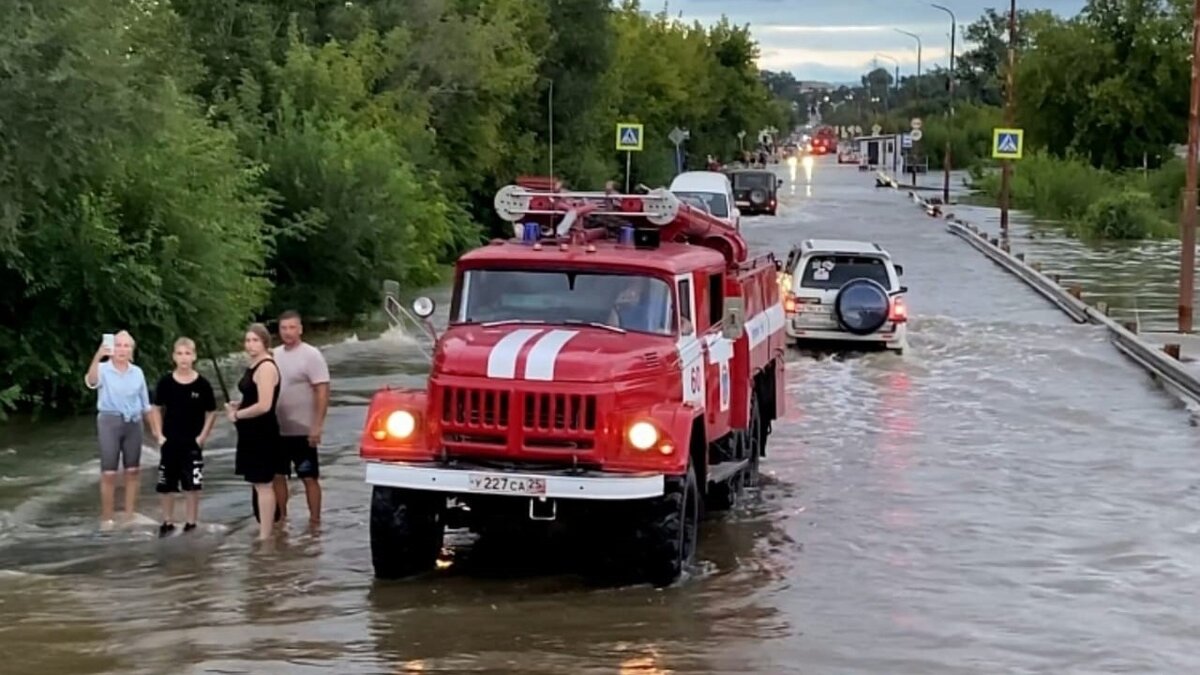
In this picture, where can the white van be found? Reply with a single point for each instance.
(714, 189)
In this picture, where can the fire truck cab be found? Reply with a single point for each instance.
(611, 370)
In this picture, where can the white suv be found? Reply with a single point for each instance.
(844, 291)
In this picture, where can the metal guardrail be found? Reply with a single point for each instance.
(1164, 368)
(1072, 306)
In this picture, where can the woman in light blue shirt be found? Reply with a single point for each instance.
(122, 404)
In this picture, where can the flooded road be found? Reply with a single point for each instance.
(1009, 496)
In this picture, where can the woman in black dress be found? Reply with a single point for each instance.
(258, 444)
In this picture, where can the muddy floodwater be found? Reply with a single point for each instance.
(1010, 496)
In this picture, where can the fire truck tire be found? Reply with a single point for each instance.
(669, 529)
(407, 527)
(754, 441)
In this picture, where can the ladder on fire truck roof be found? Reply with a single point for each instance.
(659, 207)
(514, 202)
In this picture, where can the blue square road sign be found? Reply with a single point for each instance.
(1008, 143)
(629, 137)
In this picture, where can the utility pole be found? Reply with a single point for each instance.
(1187, 235)
(947, 158)
(1009, 116)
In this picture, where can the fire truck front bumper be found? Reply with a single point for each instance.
(590, 485)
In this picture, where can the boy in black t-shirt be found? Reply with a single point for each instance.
(184, 413)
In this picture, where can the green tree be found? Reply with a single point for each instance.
(122, 206)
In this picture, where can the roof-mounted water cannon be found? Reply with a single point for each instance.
(515, 202)
(589, 216)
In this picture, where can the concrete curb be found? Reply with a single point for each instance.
(1163, 368)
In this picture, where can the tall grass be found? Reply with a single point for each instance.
(1092, 203)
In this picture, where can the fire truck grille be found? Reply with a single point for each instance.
(478, 408)
(559, 412)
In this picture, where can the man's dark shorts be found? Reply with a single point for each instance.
(181, 466)
(300, 455)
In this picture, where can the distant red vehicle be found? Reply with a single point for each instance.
(824, 141)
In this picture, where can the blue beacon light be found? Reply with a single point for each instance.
(531, 233)
(625, 238)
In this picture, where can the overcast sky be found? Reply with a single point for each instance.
(835, 40)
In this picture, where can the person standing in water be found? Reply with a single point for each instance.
(122, 403)
(303, 403)
(259, 455)
(184, 412)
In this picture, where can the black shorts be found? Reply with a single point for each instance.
(299, 454)
(180, 467)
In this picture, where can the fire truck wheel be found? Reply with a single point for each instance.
(669, 530)
(406, 531)
(754, 441)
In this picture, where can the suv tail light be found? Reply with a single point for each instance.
(898, 313)
(789, 303)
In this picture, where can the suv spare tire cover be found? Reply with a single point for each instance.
(862, 306)
(758, 196)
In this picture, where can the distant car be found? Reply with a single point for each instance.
(754, 192)
(844, 291)
(711, 187)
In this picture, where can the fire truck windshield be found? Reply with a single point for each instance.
(629, 302)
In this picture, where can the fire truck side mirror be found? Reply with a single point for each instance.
(733, 319)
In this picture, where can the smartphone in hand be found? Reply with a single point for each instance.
(108, 342)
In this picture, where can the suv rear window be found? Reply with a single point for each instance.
(833, 271)
(752, 180)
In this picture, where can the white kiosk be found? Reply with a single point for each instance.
(882, 153)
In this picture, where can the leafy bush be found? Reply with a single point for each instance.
(1123, 215)
(1051, 188)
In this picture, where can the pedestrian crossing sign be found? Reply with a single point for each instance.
(1008, 143)
(629, 137)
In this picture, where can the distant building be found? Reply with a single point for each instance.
(812, 86)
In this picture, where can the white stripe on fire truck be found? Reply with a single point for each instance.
(502, 361)
(539, 365)
(765, 323)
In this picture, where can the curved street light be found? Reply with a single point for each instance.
(894, 60)
(918, 39)
(947, 159)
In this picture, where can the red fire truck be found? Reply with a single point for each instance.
(611, 371)
(825, 141)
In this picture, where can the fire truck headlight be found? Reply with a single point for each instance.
(643, 435)
(400, 424)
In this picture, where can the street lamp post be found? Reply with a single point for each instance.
(916, 37)
(947, 158)
(896, 83)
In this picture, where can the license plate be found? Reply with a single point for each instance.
(815, 309)
(507, 485)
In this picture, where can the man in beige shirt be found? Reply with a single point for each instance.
(303, 402)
